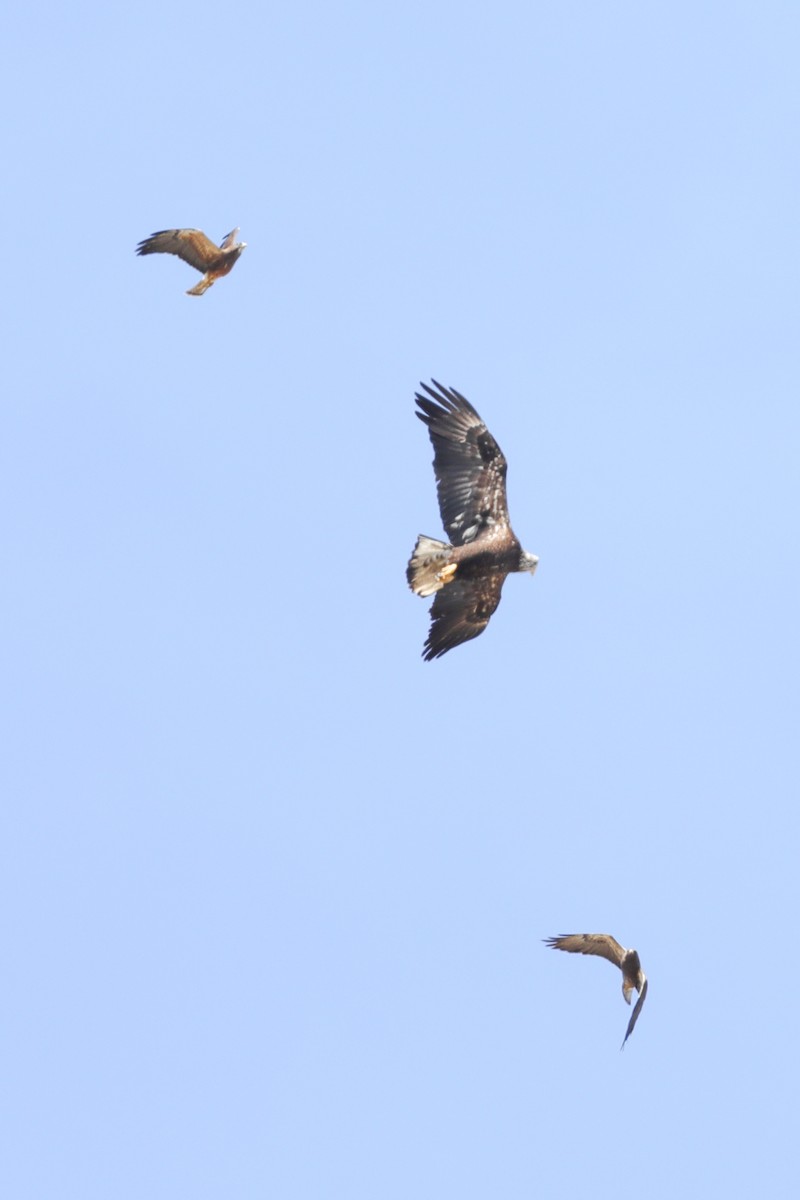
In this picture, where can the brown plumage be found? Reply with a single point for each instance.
(467, 573)
(605, 946)
(198, 251)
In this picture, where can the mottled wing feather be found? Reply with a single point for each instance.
(601, 944)
(468, 463)
(635, 1013)
(461, 611)
(229, 239)
(191, 245)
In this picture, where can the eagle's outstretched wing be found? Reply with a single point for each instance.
(469, 466)
(229, 239)
(191, 245)
(601, 944)
(636, 1011)
(461, 611)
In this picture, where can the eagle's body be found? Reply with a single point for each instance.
(467, 573)
(493, 555)
(633, 978)
(198, 251)
(605, 946)
(498, 550)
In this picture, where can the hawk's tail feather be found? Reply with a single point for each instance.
(203, 286)
(426, 564)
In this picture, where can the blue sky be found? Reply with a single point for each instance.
(273, 888)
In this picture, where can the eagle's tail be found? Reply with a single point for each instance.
(203, 286)
(426, 565)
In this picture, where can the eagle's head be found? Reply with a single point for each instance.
(528, 562)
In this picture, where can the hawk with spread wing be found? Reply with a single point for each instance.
(198, 251)
(466, 574)
(605, 946)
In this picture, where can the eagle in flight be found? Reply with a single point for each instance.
(198, 251)
(466, 574)
(605, 946)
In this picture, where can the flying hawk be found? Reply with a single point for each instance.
(604, 945)
(468, 572)
(198, 251)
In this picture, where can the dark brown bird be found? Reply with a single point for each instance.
(604, 945)
(198, 251)
(468, 572)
